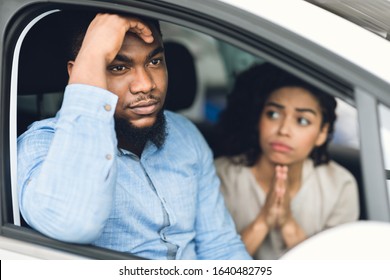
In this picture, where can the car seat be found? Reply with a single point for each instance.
(182, 76)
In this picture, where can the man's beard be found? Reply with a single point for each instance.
(138, 136)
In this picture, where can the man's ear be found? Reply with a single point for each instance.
(70, 67)
(323, 135)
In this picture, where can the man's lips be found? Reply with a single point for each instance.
(280, 147)
(146, 107)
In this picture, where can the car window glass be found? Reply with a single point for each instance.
(237, 60)
(384, 114)
(346, 126)
(210, 71)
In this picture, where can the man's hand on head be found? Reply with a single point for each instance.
(102, 42)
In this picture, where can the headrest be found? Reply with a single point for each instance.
(182, 78)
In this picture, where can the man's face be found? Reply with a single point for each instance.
(138, 76)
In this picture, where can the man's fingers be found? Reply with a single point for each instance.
(142, 30)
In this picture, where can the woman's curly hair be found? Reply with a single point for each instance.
(237, 128)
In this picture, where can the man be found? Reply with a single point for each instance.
(112, 168)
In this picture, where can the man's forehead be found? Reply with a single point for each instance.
(135, 49)
(131, 36)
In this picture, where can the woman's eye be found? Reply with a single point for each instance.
(303, 121)
(273, 114)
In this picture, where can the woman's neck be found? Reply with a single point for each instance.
(264, 172)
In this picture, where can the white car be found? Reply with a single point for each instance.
(341, 46)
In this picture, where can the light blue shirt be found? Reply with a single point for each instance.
(75, 185)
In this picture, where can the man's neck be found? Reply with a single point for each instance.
(136, 149)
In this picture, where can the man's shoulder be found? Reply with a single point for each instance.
(176, 117)
(182, 129)
(179, 122)
(42, 126)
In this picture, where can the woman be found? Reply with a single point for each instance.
(277, 179)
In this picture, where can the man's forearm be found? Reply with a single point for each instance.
(69, 195)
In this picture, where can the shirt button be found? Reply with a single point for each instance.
(107, 107)
(108, 157)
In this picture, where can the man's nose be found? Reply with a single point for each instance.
(141, 82)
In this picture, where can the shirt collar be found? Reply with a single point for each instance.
(149, 149)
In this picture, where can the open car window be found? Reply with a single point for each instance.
(207, 66)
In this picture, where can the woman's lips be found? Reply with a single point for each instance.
(145, 107)
(280, 147)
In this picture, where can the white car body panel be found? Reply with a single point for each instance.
(351, 241)
(11, 249)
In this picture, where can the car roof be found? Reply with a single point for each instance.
(372, 15)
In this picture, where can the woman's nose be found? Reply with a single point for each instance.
(284, 127)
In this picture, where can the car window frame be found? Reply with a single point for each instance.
(374, 176)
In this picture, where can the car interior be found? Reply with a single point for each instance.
(42, 77)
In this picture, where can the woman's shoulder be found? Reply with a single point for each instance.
(334, 174)
(227, 165)
(231, 170)
(237, 181)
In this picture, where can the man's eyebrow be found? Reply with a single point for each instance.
(156, 51)
(123, 58)
(301, 110)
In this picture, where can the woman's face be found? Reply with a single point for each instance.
(290, 126)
